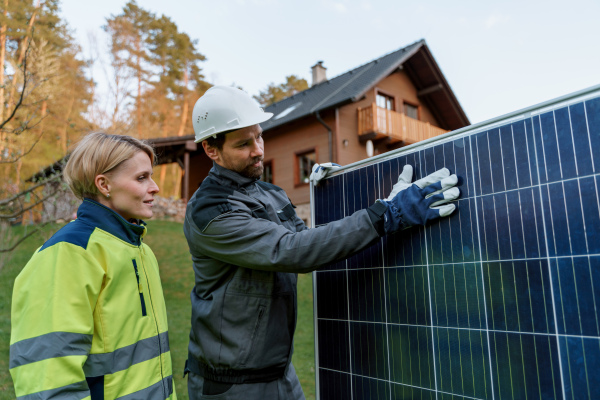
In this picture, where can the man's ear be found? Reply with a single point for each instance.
(211, 152)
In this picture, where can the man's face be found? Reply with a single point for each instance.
(243, 152)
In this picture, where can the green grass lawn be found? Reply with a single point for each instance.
(168, 243)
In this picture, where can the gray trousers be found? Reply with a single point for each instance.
(285, 388)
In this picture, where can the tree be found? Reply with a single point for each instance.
(164, 65)
(43, 96)
(129, 35)
(272, 94)
(174, 53)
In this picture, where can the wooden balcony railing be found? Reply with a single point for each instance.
(378, 123)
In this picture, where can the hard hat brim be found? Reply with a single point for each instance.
(260, 118)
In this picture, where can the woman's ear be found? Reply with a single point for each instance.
(103, 185)
(210, 151)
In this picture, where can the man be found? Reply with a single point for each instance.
(248, 244)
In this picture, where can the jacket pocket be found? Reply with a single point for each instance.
(259, 318)
(140, 289)
(286, 212)
(261, 213)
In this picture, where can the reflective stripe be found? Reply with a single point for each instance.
(74, 391)
(159, 391)
(125, 357)
(50, 345)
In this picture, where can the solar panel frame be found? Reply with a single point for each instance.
(572, 173)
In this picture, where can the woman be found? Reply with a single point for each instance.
(88, 313)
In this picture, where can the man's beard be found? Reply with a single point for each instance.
(251, 171)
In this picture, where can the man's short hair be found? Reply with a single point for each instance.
(217, 142)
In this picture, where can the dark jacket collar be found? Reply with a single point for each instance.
(95, 214)
(228, 177)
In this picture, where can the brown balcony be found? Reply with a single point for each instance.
(376, 123)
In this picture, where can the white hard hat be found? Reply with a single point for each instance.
(224, 108)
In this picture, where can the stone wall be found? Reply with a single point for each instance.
(63, 206)
(303, 211)
(60, 207)
(169, 208)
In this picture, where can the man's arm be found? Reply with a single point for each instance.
(240, 239)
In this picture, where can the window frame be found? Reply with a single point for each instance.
(411, 104)
(379, 92)
(297, 157)
(270, 164)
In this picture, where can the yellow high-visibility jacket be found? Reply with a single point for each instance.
(88, 315)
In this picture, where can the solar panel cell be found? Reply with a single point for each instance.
(332, 289)
(508, 158)
(580, 366)
(365, 388)
(581, 140)
(523, 166)
(550, 147)
(483, 172)
(333, 345)
(338, 385)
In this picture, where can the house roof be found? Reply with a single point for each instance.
(351, 86)
(168, 150)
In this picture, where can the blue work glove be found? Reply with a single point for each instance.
(320, 171)
(420, 202)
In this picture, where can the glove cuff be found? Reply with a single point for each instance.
(376, 213)
(394, 221)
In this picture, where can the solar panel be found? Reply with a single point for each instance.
(499, 301)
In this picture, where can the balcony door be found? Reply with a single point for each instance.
(385, 104)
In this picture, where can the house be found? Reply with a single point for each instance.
(395, 100)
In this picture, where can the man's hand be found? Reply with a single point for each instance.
(320, 171)
(420, 202)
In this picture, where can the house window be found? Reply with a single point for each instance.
(385, 104)
(385, 101)
(411, 110)
(305, 162)
(267, 175)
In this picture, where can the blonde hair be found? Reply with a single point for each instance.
(99, 153)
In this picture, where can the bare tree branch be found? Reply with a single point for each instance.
(22, 210)
(23, 89)
(5, 202)
(15, 159)
(21, 240)
(14, 245)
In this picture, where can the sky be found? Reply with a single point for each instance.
(498, 57)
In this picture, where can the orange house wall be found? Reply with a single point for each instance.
(281, 149)
(397, 85)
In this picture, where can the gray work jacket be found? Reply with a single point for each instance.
(247, 244)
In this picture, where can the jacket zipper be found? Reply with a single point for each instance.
(141, 292)
(162, 373)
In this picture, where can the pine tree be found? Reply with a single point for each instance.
(129, 33)
(274, 93)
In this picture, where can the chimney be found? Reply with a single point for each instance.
(318, 73)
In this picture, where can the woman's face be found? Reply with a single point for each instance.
(131, 188)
